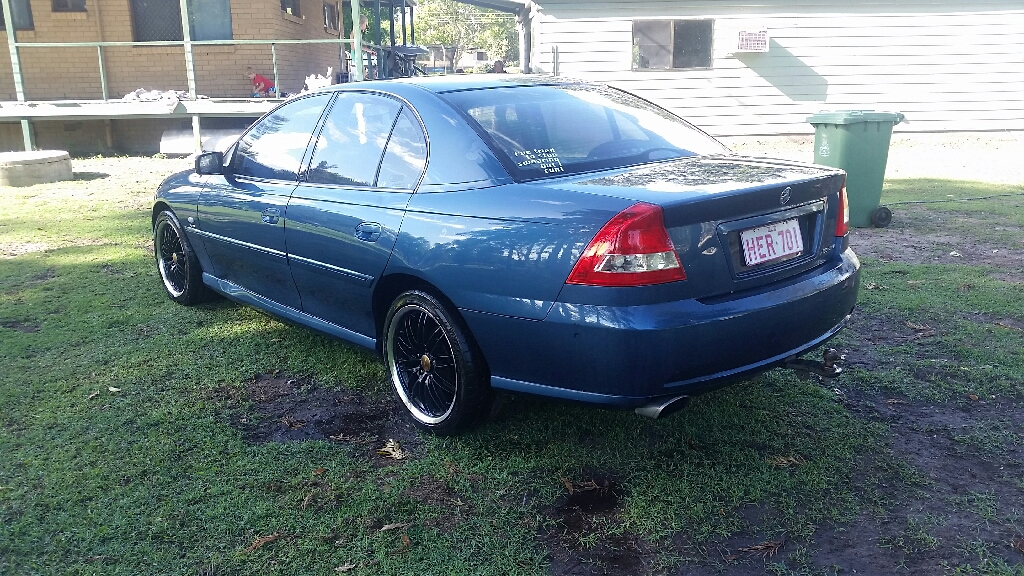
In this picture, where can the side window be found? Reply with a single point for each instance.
(273, 149)
(21, 14)
(350, 146)
(405, 156)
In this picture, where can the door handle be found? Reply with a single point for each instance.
(271, 215)
(368, 231)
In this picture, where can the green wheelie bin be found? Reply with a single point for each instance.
(857, 141)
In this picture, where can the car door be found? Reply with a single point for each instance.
(345, 216)
(242, 214)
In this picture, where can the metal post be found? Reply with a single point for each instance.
(412, 25)
(379, 72)
(391, 12)
(190, 71)
(19, 85)
(103, 73)
(554, 60)
(277, 80)
(386, 63)
(403, 23)
(525, 39)
(377, 22)
(357, 43)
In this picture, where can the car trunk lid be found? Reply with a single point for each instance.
(736, 222)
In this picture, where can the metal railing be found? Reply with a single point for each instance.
(186, 43)
(101, 45)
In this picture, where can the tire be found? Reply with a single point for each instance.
(436, 371)
(176, 261)
(881, 217)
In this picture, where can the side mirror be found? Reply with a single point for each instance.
(210, 163)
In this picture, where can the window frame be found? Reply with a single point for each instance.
(672, 24)
(70, 6)
(295, 4)
(31, 25)
(311, 148)
(332, 20)
(232, 155)
(135, 25)
(135, 16)
(418, 123)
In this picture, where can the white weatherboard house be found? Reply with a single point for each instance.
(740, 67)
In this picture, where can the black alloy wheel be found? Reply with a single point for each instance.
(177, 263)
(434, 369)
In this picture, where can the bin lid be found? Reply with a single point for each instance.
(854, 117)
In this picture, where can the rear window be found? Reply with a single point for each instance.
(547, 131)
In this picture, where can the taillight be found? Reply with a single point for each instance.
(632, 249)
(843, 219)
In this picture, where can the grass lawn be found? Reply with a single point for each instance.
(139, 436)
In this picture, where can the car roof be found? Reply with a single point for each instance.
(458, 82)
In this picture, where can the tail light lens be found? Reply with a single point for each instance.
(843, 220)
(632, 249)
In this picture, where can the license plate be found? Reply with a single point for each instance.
(771, 242)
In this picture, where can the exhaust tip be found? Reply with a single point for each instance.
(663, 407)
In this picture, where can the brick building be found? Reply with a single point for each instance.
(73, 73)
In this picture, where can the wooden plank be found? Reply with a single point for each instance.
(655, 8)
(979, 68)
(820, 63)
(822, 27)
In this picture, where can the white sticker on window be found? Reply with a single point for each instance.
(544, 159)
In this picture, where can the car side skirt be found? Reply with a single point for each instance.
(692, 386)
(239, 294)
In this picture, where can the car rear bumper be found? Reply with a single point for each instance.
(625, 356)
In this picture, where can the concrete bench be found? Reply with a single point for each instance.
(34, 167)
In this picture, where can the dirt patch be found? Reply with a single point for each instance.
(43, 276)
(283, 408)
(578, 536)
(451, 508)
(866, 331)
(910, 244)
(112, 271)
(998, 321)
(969, 460)
(23, 327)
(15, 249)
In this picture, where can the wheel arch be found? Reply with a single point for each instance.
(159, 207)
(389, 287)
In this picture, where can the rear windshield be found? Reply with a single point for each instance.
(547, 131)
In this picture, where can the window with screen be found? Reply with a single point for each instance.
(160, 20)
(350, 145)
(672, 44)
(21, 13)
(273, 148)
(68, 5)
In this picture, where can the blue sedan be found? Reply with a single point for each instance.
(520, 233)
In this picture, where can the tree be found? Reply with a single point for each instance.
(461, 26)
